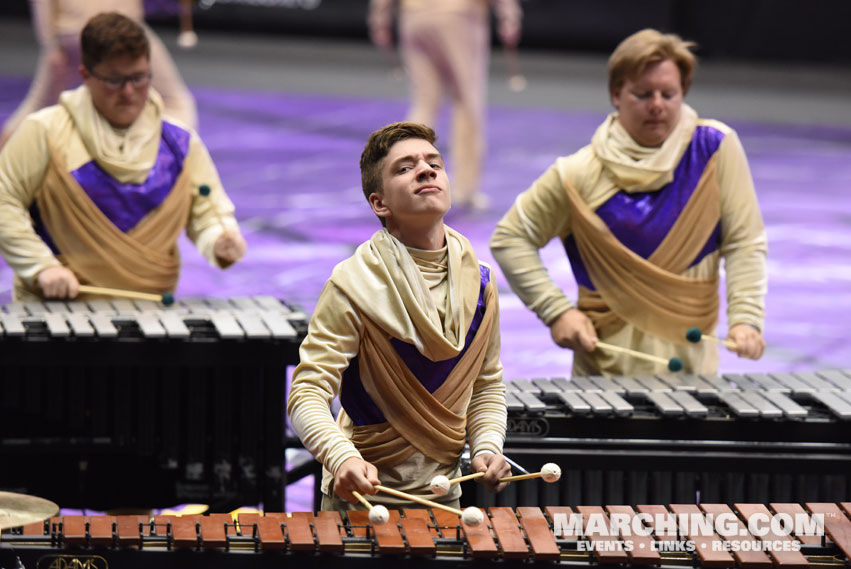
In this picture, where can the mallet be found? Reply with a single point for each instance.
(674, 364)
(694, 335)
(470, 516)
(166, 298)
(378, 514)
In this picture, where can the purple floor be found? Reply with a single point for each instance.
(289, 162)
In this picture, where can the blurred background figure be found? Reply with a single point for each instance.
(187, 38)
(445, 46)
(57, 26)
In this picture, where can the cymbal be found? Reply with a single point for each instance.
(20, 509)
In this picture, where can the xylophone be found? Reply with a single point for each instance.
(182, 403)
(421, 538)
(682, 438)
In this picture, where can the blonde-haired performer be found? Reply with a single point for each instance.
(406, 334)
(445, 45)
(97, 189)
(646, 213)
(57, 26)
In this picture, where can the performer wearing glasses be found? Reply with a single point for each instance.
(57, 26)
(96, 190)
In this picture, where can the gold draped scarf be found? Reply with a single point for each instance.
(382, 281)
(144, 259)
(650, 293)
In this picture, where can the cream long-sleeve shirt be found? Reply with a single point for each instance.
(333, 340)
(541, 213)
(24, 161)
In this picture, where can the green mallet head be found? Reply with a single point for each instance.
(675, 364)
(204, 190)
(694, 335)
(168, 299)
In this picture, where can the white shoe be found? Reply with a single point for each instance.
(187, 40)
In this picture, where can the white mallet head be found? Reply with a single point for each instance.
(379, 515)
(439, 485)
(472, 516)
(550, 472)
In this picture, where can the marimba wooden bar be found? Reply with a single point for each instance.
(423, 538)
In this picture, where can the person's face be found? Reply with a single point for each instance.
(119, 88)
(649, 106)
(414, 181)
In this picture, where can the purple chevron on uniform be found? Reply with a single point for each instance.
(641, 220)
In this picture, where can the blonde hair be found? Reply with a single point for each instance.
(634, 54)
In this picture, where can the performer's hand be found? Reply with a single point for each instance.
(355, 474)
(495, 467)
(229, 248)
(58, 282)
(749, 342)
(574, 330)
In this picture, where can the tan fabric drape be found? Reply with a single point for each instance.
(650, 294)
(145, 259)
(431, 423)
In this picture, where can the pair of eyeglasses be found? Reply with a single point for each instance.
(138, 80)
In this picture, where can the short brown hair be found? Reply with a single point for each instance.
(379, 145)
(634, 54)
(109, 35)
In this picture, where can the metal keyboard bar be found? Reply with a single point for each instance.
(741, 381)
(12, 324)
(664, 404)
(837, 378)
(797, 386)
(150, 325)
(546, 387)
(565, 385)
(103, 325)
(56, 324)
(525, 385)
(816, 382)
(790, 409)
(678, 382)
(174, 325)
(654, 384)
(768, 383)
(632, 387)
(837, 405)
(513, 404)
(56, 306)
(597, 403)
(606, 384)
(530, 402)
(574, 402)
(621, 407)
(739, 406)
(278, 325)
(692, 406)
(272, 304)
(718, 383)
(80, 325)
(585, 384)
(765, 408)
(226, 325)
(252, 324)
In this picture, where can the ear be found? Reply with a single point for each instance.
(84, 73)
(615, 96)
(376, 202)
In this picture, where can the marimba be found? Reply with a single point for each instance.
(681, 438)
(422, 538)
(184, 403)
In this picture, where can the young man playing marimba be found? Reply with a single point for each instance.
(97, 189)
(406, 333)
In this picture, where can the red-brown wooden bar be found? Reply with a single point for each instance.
(184, 531)
(130, 530)
(246, 521)
(846, 506)
(507, 530)
(746, 558)
(668, 531)
(793, 510)
(607, 548)
(270, 533)
(447, 523)
(420, 537)
(537, 531)
(328, 527)
(74, 529)
(642, 551)
(709, 548)
(836, 525)
(479, 538)
(299, 533)
(782, 558)
(100, 530)
(212, 530)
(387, 535)
(552, 512)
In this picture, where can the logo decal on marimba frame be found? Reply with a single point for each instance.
(536, 427)
(72, 562)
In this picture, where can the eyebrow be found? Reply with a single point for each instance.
(413, 158)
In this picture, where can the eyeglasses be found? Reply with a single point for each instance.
(138, 80)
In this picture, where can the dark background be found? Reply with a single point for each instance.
(794, 30)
